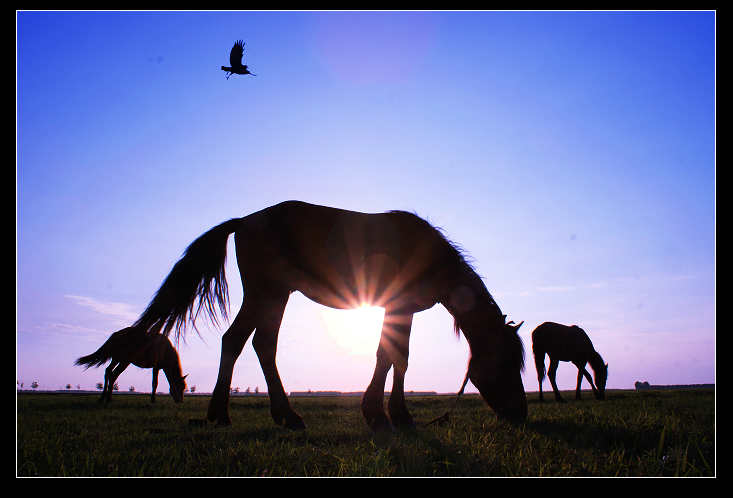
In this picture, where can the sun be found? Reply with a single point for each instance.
(356, 330)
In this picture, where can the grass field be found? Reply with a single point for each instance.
(652, 433)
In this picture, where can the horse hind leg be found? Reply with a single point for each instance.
(551, 373)
(265, 345)
(539, 362)
(105, 398)
(116, 372)
(232, 343)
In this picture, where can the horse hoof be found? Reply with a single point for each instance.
(381, 424)
(295, 424)
(223, 423)
(403, 422)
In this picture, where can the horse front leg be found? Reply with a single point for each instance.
(372, 403)
(155, 384)
(590, 381)
(393, 350)
(398, 349)
(265, 345)
(580, 381)
(232, 343)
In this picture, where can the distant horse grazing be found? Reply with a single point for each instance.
(341, 259)
(564, 343)
(134, 345)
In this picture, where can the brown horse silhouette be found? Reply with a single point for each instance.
(134, 345)
(341, 259)
(567, 343)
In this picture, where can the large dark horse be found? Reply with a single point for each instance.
(134, 345)
(341, 259)
(568, 343)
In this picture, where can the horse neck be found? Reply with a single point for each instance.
(596, 362)
(173, 373)
(170, 363)
(471, 304)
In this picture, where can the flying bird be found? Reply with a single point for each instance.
(235, 60)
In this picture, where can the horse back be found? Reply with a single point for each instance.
(562, 342)
(336, 256)
(157, 352)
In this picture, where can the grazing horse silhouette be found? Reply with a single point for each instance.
(134, 345)
(567, 343)
(341, 259)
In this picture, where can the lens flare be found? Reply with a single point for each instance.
(357, 330)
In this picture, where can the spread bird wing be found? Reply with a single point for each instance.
(235, 56)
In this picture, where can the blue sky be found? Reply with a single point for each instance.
(571, 154)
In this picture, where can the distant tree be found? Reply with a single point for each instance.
(68, 386)
(100, 386)
(34, 384)
(247, 390)
(78, 387)
(193, 389)
(132, 389)
(257, 389)
(236, 389)
(116, 387)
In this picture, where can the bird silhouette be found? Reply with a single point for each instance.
(235, 60)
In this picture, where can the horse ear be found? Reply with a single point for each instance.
(184, 377)
(520, 324)
(503, 317)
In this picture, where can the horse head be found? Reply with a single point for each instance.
(600, 375)
(177, 387)
(495, 367)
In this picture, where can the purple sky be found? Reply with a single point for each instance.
(571, 154)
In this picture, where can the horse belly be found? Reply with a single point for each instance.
(365, 288)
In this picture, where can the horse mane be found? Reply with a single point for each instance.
(458, 257)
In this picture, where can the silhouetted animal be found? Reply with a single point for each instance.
(134, 345)
(235, 60)
(341, 259)
(567, 343)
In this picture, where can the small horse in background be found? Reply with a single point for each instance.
(134, 345)
(568, 343)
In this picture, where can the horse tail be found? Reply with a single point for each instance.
(97, 358)
(198, 276)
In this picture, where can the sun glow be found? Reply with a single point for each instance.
(356, 330)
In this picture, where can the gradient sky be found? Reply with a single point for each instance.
(571, 154)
